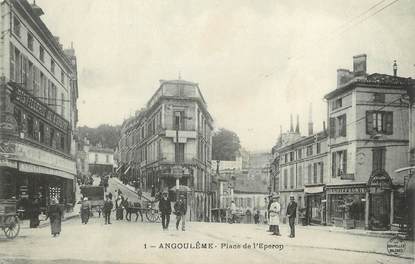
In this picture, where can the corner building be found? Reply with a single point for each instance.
(169, 143)
(38, 113)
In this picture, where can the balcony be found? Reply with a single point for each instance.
(347, 176)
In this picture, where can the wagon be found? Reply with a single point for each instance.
(9, 222)
(151, 211)
(95, 196)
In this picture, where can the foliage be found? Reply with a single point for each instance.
(225, 145)
(105, 134)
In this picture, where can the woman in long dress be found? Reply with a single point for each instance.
(274, 216)
(34, 213)
(85, 211)
(55, 216)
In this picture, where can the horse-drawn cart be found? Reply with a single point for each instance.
(9, 222)
(151, 210)
(95, 195)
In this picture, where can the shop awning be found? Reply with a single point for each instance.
(127, 170)
(119, 168)
(313, 189)
(8, 163)
(31, 168)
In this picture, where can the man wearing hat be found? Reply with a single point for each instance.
(165, 210)
(274, 215)
(292, 213)
(180, 209)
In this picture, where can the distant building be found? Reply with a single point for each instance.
(100, 160)
(82, 158)
(38, 110)
(169, 143)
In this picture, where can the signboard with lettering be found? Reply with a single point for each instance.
(27, 100)
(346, 190)
(380, 180)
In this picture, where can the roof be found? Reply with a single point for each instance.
(374, 80)
(319, 136)
(103, 150)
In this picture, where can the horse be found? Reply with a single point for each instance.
(133, 208)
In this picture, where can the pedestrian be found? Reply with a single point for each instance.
(107, 210)
(34, 213)
(180, 209)
(274, 215)
(165, 210)
(256, 217)
(233, 212)
(55, 213)
(139, 193)
(267, 212)
(85, 210)
(119, 209)
(153, 191)
(110, 195)
(292, 214)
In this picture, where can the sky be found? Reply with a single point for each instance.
(256, 62)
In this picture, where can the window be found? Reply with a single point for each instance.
(62, 77)
(379, 122)
(379, 97)
(299, 154)
(12, 63)
(309, 174)
(62, 145)
(337, 103)
(309, 150)
(318, 147)
(315, 172)
(41, 54)
(292, 156)
(52, 66)
(285, 178)
(62, 104)
(43, 88)
(378, 161)
(291, 177)
(30, 127)
(340, 123)
(286, 158)
(321, 172)
(339, 163)
(30, 41)
(52, 138)
(300, 176)
(41, 132)
(179, 152)
(18, 66)
(179, 120)
(16, 26)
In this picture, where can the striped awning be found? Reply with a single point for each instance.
(127, 170)
(119, 168)
(31, 168)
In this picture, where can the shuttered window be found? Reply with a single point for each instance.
(379, 122)
(378, 161)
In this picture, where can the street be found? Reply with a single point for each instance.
(137, 242)
(132, 242)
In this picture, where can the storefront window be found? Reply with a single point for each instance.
(348, 206)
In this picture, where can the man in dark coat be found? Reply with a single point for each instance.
(180, 209)
(34, 213)
(165, 209)
(267, 213)
(107, 210)
(292, 214)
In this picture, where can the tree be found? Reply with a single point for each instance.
(105, 134)
(225, 146)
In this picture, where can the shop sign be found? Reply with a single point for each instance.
(380, 179)
(27, 100)
(346, 190)
(177, 171)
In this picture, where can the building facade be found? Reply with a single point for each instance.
(348, 174)
(100, 161)
(368, 141)
(38, 114)
(169, 144)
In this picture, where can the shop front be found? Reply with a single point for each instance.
(315, 199)
(346, 205)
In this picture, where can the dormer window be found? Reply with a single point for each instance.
(16, 26)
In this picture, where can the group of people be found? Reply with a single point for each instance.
(180, 210)
(107, 208)
(274, 211)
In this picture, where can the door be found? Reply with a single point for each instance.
(379, 211)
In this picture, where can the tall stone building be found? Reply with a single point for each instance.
(169, 143)
(38, 93)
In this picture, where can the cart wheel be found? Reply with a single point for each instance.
(152, 215)
(11, 226)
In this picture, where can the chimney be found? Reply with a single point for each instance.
(343, 76)
(310, 121)
(36, 9)
(359, 65)
(395, 68)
